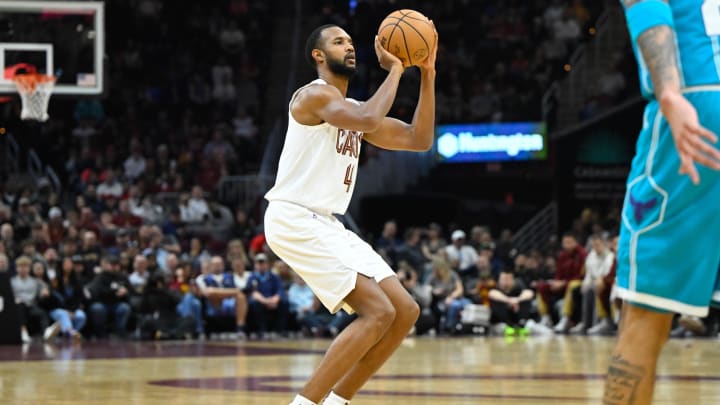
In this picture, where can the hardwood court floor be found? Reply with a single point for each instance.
(558, 370)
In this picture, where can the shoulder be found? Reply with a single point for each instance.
(315, 95)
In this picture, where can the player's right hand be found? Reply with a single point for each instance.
(386, 59)
(688, 135)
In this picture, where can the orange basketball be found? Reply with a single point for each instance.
(408, 35)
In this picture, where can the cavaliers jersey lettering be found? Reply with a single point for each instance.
(348, 142)
(318, 165)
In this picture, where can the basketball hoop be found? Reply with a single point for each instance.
(35, 90)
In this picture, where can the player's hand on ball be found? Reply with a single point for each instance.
(429, 62)
(386, 59)
(688, 135)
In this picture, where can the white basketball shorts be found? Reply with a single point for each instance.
(325, 254)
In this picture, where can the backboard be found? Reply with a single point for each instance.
(61, 38)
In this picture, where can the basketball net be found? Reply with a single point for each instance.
(35, 90)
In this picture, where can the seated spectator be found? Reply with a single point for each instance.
(284, 272)
(434, 242)
(236, 250)
(510, 303)
(190, 305)
(411, 250)
(90, 251)
(69, 317)
(266, 298)
(447, 294)
(595, 288)
(135, 163)
(460, 255)
(110, 187)
(569, 265)
(161, 317)
(125, 218)
(303, 306)
(388, 242)
(108, 293)
(4, 263)
(224, 295)
(479, 285)
(28, 291)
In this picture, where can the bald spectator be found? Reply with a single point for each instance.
(140, 276)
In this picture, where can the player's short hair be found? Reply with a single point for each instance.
(312, 42)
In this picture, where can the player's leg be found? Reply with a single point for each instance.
(631, 372)
(407, 311)
(375, 315)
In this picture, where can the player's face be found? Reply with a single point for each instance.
(339, 52)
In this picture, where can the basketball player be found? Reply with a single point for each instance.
(669, 247)
(315, 180)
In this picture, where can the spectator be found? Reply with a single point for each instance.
(434, 242)
(236, 251)
(135, 163)
(4, 263)
(510, 303)
(125, 218)
(161, 315)
(56, 226)
(110, 187)
(90, 252)
(303, 306)
(224, 295)
(28, 291)
(570, 262)
(197, 208)
(284, 273)
(267, 299)
(139, 277)
(460, 255)
(447, 293)
(411, 250)
(595, 287)
(480, 282)
(388, 242)
(69, 317)
(109, 292)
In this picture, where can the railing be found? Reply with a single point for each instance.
(243, 190)
(34, 165)
(54, 180)
(538, 229)
(12, 154)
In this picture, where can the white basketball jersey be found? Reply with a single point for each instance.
(318, 166)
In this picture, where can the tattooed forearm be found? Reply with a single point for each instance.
(622, 381)
(658, 48)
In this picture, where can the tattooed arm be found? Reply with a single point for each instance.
(658, 48)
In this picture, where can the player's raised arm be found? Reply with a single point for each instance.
(651, 26)
(418, 136)
(317, 104)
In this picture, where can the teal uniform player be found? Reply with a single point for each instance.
(669, 249)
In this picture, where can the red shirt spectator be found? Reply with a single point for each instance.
(124, 218)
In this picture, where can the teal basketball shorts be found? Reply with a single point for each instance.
(669, 251)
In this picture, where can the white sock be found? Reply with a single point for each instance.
(335, 399)
(301, 400)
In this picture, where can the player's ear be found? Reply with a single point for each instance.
(318, 55)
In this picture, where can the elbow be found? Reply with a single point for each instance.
(371, 123)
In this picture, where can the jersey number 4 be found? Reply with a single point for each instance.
(349, 177)
(711, 16)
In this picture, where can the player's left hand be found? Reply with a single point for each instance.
(688, 135)
(429, 62)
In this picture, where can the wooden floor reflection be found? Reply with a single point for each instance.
(559, 370)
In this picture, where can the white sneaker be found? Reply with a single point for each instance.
(538, 329)
(25, 337)
(562, 326)
(604, 327)
(546, 321)
(693, 324)
(578, 329)
(498, 329)
(51, 331)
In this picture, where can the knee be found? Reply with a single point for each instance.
(80, 315)
(97, 309)
(383, 317)
(123, 308)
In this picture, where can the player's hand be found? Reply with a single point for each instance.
(429, 62)
(386, 59)
(688, 135)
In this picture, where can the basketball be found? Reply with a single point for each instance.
(407, 34)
